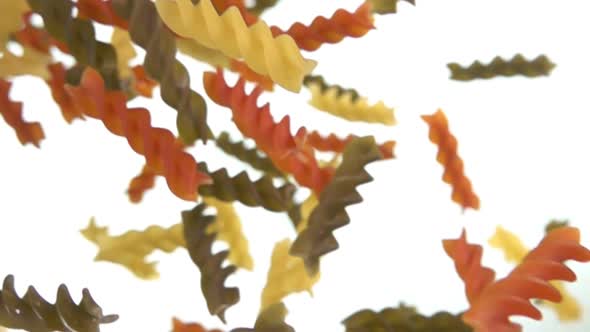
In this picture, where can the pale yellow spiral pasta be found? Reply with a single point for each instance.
(278, 57)
(343, 105)
(228, 227)
(31, 62)
(286, 275)
(123, 45)
(131, 248)
(515, 251)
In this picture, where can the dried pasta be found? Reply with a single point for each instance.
(213, 275)
(568, 309)
(12, 112)
(147, 31)
(278, 57)
(343, 105)
(131, 248)
(448, 157)
(251, 156)
(274, 139)
(330, 30)
(240, 187)
(404, 318)
(121, 41)
(387, 6)
(518, 65)
(228, 228)
(178, 326)
(320, 81)
(317, 238)
(336, 144)
(272, 319)
(286, 275)
(32, 312)
(31, 62)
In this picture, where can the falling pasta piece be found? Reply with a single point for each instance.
(199, 244)
(448, 157)
(272, 319)
(228, 228)
(149, 32)
(31, 312)
(12, 113)
(568, 309)
(406, 319)
(286, 275)
(344, 105)
(518, 65)
(278, 57)
(317, 239)
(131, 248)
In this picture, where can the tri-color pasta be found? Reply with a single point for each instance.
(518, 65)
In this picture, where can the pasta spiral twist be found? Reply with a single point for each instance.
(33, 313)
(343, 105)
(240, 187)
(491, 310)
(149, 32)
(163, 154)
(278, 57)
(330, 213)
(79, 36)
(213, 275)
(330, 30)
(249, 155)
(275, 140)
(448, 157)
(319, 80)
(12, 112)
(518, 65)
(336, 144)
(130, 249)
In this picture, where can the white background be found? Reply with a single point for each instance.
(523, 142)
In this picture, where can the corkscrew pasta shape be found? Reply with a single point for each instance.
(213, 275)
(274, 139)
(159, 147)
(131, 248)
(12, 112)
(317, 238)
(343, 105)
(518, 65)
(568, 309)
(334, 143)
(32, 312)
(278, 57)
(448, 157)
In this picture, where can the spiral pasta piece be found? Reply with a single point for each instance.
(404, 318)
(199, 244)
(272, 319)
(101, 11)
(324, 86)
(317, 239)
(568, 309)
(518, 65)
(467, 260)
(131, 248)
(57, 82)
(162, 152)
(274, 139)
(387, 6)
(343, 105)
(251, 156)
(509, 296)
(12, 12)
(32, 312)
(149, 32)
(31, 62)
(228, 228)
(336, 144)
(278, 57)
(12, 112)
(447, 156)
(79, 36)
(178, 326)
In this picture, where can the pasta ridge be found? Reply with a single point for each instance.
(278, 57)
(518, 65)
(159, 147)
